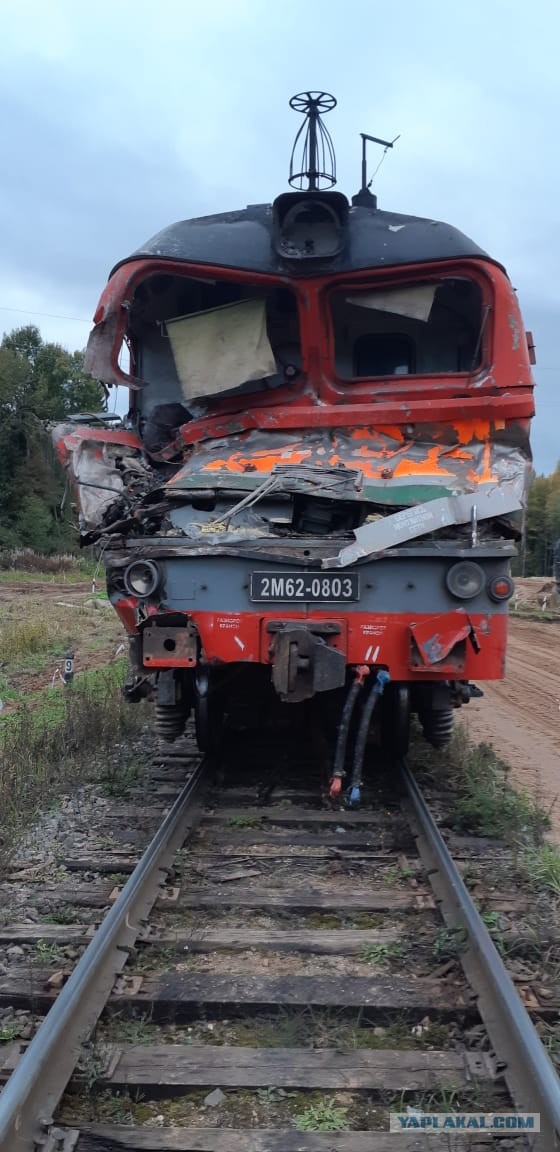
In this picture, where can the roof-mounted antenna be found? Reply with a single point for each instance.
(365, 198)
(317, 162)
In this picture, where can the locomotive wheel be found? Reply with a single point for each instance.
(208, 713)
(395, 721)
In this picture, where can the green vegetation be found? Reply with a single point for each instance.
(39, 382)
(542, 526)
(33, 643)
(24, 564)
(122, 1029)
(272, 1095)
(550, 1036)
(28, 635)
(288, 1028)
(449, 943)
(244, 821)
(492, 923)
(483, 801)
(382, 953)
(541, 866)
(325, 1117)
(9, 1032)
(487, 804)
(66, 914)
(63, 739)
(119, 777)
(48, 952)
(442, 1100)
(155, 957)
(114, 1107)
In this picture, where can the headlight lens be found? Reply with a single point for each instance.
(465, 580)
(141, 578)
(501, 588)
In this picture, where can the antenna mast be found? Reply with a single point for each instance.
(317, 162)
(365, 198)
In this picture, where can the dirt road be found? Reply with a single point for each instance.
(520, 716)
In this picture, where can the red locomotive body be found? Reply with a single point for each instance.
(321, 477)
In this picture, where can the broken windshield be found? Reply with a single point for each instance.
(196, 338)
(426, 327)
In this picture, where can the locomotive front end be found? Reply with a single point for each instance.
(315, 496)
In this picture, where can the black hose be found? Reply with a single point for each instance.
(344, 728)
(360, 747)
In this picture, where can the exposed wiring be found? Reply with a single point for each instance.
(263, 489)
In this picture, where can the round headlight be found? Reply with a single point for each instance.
(465, 580)
(141, 578)
(501, 588)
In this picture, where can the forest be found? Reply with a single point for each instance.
(39, 382)
(42, 382)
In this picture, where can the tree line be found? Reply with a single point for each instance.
(542, 526)
(41, 382)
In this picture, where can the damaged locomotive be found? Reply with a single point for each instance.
(315, 495)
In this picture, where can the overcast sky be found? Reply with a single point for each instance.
(120, 116)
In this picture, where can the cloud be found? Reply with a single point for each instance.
(116, 119)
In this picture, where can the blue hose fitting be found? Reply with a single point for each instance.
(354, 797)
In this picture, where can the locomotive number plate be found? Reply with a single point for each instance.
(317, 587)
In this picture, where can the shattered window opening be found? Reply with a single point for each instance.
(423, 327)
(161, 300)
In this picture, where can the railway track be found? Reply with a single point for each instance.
(275, 975)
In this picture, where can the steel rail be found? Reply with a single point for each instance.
(527, 1069)
(34, 1089)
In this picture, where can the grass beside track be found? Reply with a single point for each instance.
(482, 802)
(60, 743)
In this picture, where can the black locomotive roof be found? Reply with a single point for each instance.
(244, 240)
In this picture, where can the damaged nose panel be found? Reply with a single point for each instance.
(491, 500)
(102, 465)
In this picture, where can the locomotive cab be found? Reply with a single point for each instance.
(316, 493)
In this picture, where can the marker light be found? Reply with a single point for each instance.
(501, 588)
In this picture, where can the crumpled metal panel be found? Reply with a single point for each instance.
(437, 637)
(443, 459)
(90, 457)
(389, 465)
(489, 501)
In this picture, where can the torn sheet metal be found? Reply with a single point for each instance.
(490, 500)
(414, 302)
(396, 468)
(437, 637)
(99, 468)
(222, 348)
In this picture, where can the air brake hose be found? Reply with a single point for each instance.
(360, 674)
(354, 791)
